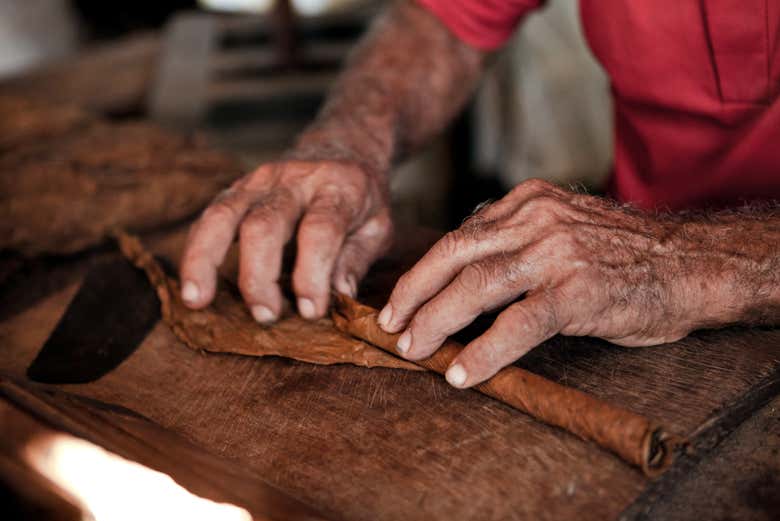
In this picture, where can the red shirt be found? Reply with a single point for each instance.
(695, 84)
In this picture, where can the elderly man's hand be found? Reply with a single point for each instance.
(343, 224)
(583, 265)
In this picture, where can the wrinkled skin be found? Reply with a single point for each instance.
(562, 262)
(584, 267)
(330, 192)
(343, 224)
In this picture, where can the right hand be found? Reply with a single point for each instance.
(343, 224)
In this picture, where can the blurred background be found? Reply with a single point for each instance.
(249, 74)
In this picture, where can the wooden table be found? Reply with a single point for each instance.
(361, 443)
(358, 443)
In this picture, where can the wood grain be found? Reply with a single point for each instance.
(365, 443)
(638, 440)
(389, 444)
(740, 480)
(31, 412)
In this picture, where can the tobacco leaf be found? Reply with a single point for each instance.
(67, 181)
(227, 327)
(26, 120)
(636, 439)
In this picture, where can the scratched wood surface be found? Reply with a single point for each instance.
(388, 444)
(31, 415)
(739, 479)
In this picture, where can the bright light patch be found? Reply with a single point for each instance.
(112, 488)
(304, 7)
(241, 6)
(312, 7)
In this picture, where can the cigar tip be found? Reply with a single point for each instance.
(660, 450)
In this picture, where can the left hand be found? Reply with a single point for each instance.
(584, 265)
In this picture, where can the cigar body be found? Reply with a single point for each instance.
(636, 439)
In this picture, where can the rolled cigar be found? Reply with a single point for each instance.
(636, 439)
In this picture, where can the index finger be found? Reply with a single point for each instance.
(435, 270)
(208, 242)
(476, 239)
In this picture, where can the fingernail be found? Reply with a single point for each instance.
(263, 315)
(352, 281)
(456, 375)
(404, 342)
(343, 286)
(384, 317)
(190, 292)
(306, 308)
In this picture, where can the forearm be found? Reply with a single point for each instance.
(735, 256)
(403, 83)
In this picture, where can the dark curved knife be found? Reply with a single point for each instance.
(106, 321)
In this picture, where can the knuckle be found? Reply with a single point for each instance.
(341, 170)
(516, 272)
(537, 184)
(564, 245)
(219, 211)
(543, 205)
(330, 180)
(451, 243)
(520, 321)
(537, 320)
(330, 193)
(556, 246)
(489, 211)
(476, 277)
(588, 201)
(357, 185)
(561, 236)
(261, 176)
(532, 186)
(476, 226)
(319, 227)
(254, 223)
(331, 208)
(350, 199)
(265, 169)
(277, 198)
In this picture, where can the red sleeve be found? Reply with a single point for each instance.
(484, 24)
